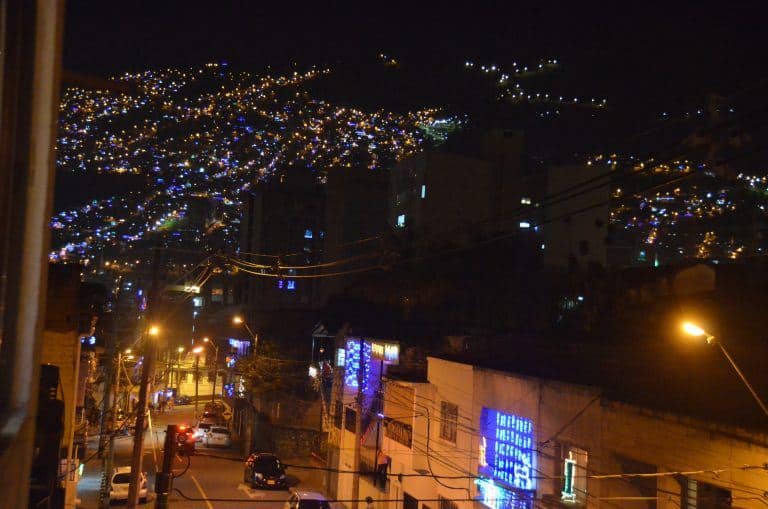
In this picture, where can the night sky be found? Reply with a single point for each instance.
(648, 55)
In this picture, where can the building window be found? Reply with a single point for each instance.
(446, 503)
(308, 234)
(449, 418)
(217, 294)
(573, 487)
(349, 419)
(701, 495)
(423, 191)
(338, 414)
(401, 221)
(525, 224)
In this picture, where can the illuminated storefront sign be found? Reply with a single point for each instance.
(387, 352)
(506, 456)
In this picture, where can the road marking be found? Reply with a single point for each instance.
(250, 491)
(200, 489)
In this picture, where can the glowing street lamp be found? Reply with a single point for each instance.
(154, 330)
(694, 330)
(238, 320)
(197, 351)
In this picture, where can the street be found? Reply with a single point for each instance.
(215, 474)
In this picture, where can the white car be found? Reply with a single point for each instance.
(218, 436)
(307, 500)
(118, 485)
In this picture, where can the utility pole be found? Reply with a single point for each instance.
(147, 371)
(109, 405)
(164, 482)
(197, 351)
(358, 428)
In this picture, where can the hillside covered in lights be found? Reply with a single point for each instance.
(211, 133)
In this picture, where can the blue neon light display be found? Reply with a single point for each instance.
(352, 361)
(495, 496)
(506, 449)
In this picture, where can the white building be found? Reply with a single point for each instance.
(468, 436)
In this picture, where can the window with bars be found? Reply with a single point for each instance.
(449, 418)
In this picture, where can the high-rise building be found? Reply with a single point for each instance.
(284, 219)
(474, 184)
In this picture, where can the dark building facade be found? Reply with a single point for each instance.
(284, 218)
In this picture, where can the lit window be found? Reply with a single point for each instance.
(525, 224)
(525, 200)
(197, 302)
(308, 234)
(449, 418)
(574, 486)
(401, 221)
(423, 191)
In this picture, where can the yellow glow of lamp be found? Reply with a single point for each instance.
(198, 349)
(693, 330)
(154, 330)
(237, 320)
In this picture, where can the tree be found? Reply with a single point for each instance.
(269, 377)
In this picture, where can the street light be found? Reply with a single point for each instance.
(197, 351)
(215, 366)
(178, 370)
(154, 330)
(694, 330)
(238, 320)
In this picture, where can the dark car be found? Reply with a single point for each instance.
(264, 470)
(185, 440)
(183, 400)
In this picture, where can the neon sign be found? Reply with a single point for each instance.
(495, 496)
(352, 363)
(506, 455)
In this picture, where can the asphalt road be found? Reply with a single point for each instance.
(214, 479)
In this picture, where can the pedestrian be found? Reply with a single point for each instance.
(368, 503)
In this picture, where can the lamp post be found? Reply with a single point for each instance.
(197, 351)
(694, 330)
(238, 320)
(178, 370)
(215, 366)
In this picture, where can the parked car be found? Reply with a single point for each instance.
(203, 427)
(218, 436)
(306, 500)
(182, 400)
(264, 470)
(212, 418)
(216, 407)
(118, 485)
